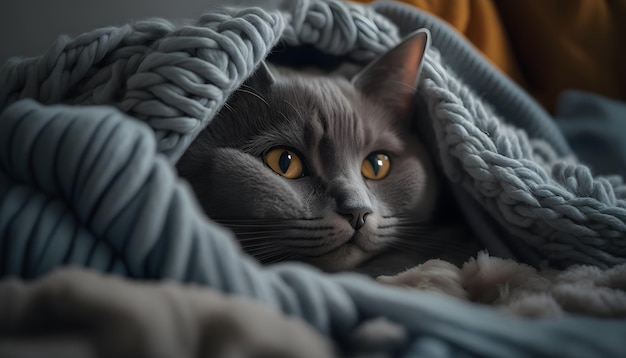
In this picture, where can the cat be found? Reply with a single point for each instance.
(325, 169)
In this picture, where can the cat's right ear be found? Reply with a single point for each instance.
(263, 75)
(392, 78)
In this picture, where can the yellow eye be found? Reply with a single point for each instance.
(376, 166)
(284, 162)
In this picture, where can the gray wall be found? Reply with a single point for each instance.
(28, 27)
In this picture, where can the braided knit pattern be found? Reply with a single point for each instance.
(553, 203)
(337, 29)
(173, 78)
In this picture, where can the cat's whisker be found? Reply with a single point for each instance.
(255, 238)
(283, 115)
(407, 232)
(265, 220)
(249, 221)
(247, 89)
(280, 234)
(300, 241)
(398, 216)
(412, 234)
(272, 257)
(409, 220)
(412, 222)
(253, 226)
(408, 228)
(285, 257)
(259, 232)
(229, 108)
(264, 250)
(296, 242)
(264, 255)
(295, 109)
(308, 243)
(267, 240)
(249, 246)
(258, 252)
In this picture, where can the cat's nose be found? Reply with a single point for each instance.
(357, 217)
(351, 202)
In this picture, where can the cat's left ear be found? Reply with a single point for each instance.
(263, 75)
(392, 78)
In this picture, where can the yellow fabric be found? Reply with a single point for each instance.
(546, 46)
(479, 22)
(568, 44)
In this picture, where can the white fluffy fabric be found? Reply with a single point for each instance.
(521, 289)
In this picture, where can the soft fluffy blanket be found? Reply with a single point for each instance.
(521, 289)
(89, 132)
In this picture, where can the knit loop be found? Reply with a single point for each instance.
(339, 28)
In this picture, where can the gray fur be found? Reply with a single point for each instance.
(334, 126)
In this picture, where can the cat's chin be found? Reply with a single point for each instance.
(345, 257)
(356, 250)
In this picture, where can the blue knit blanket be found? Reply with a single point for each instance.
(89, 132)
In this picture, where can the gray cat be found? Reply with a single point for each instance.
(327, 170)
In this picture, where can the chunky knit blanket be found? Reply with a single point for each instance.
(89, 132)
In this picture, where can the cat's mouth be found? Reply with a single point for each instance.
(331, 246)
(344, 257)
(357, 249)
(364, 242)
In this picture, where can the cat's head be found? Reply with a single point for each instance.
(318, 168)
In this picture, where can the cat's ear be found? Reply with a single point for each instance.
(392, 78)
(263, 75)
